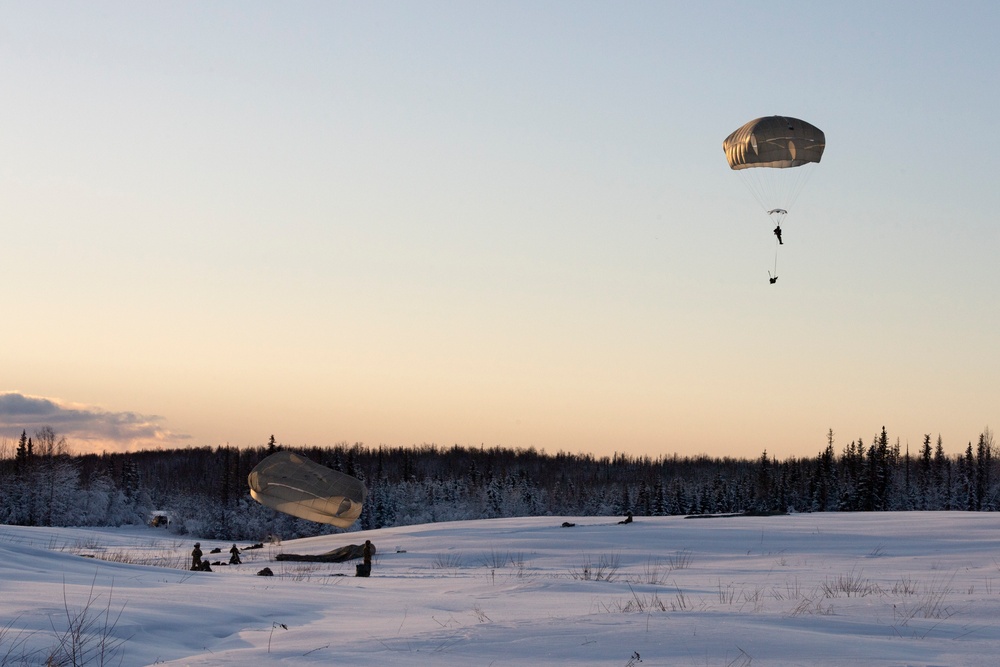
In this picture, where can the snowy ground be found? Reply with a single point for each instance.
(805, 589)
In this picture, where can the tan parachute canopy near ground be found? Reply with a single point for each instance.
(293, 484)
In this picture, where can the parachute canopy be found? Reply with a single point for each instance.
(774, 141)
(293, 484)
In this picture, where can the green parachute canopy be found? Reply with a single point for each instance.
(293, 484)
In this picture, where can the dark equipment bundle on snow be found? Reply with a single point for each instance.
(338, 555)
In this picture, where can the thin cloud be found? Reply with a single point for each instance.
(86, 428)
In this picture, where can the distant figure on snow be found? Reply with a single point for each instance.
(366, 552)
(196, 557)
(364, 568)
(234, 559)
(627, 519)
(777, 232)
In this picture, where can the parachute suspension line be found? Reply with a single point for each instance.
(773, 188)
(798, 184)
(757, 187)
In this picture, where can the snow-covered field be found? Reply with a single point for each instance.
(805, 589)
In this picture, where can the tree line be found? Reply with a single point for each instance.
(204, 489)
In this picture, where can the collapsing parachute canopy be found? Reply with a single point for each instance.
(774, 141)
(293, 484)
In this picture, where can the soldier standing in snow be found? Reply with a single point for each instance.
(196, 557)
(364, 568)
(367, 551)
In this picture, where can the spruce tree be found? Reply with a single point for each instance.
(924, 474)
(983, 456)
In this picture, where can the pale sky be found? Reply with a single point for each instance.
(500, 223)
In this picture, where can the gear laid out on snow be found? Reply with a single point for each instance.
(338, 555)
